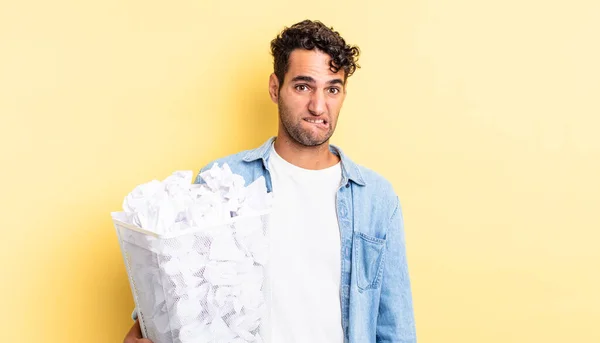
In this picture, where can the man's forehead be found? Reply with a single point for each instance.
(314, 63)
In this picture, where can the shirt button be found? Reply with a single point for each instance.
(348, 185)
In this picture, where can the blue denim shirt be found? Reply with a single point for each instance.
(375, 292)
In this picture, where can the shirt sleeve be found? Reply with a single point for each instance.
(395, 322)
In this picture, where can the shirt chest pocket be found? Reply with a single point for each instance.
(369, 254)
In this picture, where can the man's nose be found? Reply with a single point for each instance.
(317, 105)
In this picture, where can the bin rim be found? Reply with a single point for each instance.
(194, 229)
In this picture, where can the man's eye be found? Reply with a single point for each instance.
(334, 90)
(301, 88)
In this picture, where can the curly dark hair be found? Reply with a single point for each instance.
(309, 35)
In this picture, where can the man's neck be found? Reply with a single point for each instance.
(313, 158)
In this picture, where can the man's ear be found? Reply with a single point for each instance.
(274, 87)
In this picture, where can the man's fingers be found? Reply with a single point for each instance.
(143, 340)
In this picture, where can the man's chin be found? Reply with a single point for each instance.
(313, 142)
(308, 138)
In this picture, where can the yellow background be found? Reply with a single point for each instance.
(483, 114)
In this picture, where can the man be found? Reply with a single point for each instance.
(338, 267)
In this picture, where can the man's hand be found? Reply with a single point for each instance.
(135, 335)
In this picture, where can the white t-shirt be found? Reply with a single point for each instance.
(305, 268)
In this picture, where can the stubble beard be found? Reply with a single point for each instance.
(295, 130)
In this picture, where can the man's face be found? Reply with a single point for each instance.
(310, 99)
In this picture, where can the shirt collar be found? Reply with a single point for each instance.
(350, 169)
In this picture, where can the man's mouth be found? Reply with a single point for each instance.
(319, 122)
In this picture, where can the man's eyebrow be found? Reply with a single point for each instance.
(303, 78)
(336, 81)
(311, 80)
